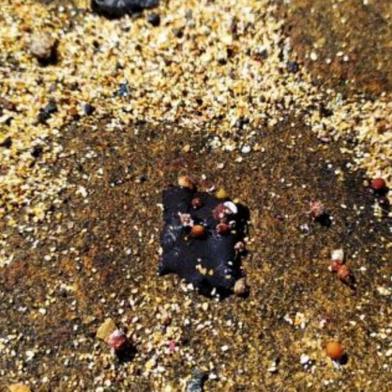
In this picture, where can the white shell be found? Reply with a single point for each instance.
(337, 255)
(231, 207)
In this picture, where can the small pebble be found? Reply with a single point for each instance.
(117, 340)
(198, 231)
(378, 184)
(186, 182)
(196, 382)
(334, 350)
(240, 287)
(221, 194)
(43, 47)
(154, 19)
(223, 228)
(337, 255)
(106, 329)
(292, 66)
(19, 388)
(246, 149)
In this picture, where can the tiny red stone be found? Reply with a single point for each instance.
(117, 340)
(317, 209)
(223, 228)
(343, 273)
(219, 213)
(196, 202)
(378, 184)
(335, 265)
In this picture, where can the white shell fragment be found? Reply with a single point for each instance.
(337, 255)
(231, 207)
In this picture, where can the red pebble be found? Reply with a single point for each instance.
(196, 202)
(223, 228)
(219, 213)
(378, 184)
(317, 209)
(172, 346)
(343, 273)
(335, 265)
(117, 340)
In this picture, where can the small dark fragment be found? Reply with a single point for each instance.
(292, 66)
(154, 19)
(123, 90)
(88, 109)
(37, 151)
(7, 142)
(210, 261)
(196, 383)
(47, 112)
(119, 8)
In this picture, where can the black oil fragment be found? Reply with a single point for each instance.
(210, 262)
(119, 8)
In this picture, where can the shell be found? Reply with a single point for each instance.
(337, 255)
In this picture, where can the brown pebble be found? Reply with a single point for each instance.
(198, 231)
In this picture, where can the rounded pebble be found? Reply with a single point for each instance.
(334, 350)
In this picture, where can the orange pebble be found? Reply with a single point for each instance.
(198, 231)
(186, 182)
(344, 273)
(334, 350)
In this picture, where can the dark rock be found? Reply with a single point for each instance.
(154, 19)
(6, 143)
(196, 383)
(292, 66)
(210, 261)
(37, 151)
(88, 109)
(47, 112)
(123, 90)
(119, 8)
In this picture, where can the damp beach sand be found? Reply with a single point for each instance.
(281, 104)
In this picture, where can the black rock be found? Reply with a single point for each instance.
(88, 109)
(208, 262)
(37, 151)
(292, 66)
(123, 90)
(119, 8)
(7, 142)
(154, 19)
(47, 111)
(196, 382)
